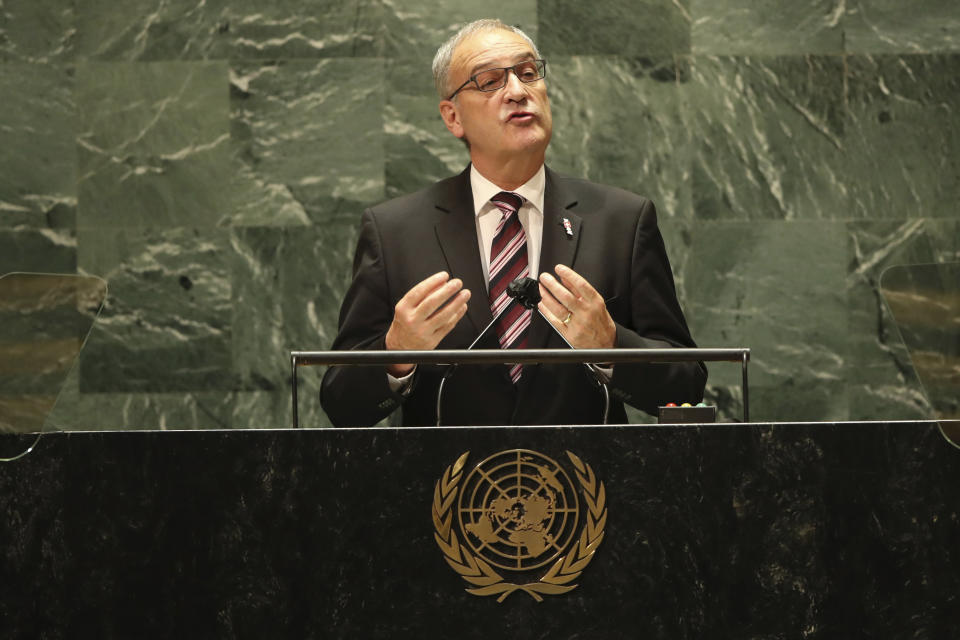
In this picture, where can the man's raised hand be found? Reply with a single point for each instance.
(425, 315)
(576, 310)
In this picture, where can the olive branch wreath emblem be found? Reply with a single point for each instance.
(487, 581)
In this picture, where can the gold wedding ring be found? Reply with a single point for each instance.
(567, 319)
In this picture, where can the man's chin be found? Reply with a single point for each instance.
(530, 139)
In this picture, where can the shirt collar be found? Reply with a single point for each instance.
(483, 190)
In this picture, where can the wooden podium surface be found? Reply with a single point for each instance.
(813, 530)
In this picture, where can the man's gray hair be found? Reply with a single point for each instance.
(441, 61)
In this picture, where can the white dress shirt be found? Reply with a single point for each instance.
(488, 217)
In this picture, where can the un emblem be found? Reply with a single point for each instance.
(518, 512)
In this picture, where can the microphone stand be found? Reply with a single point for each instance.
(449, 371)
(594, 373)
(526, 291)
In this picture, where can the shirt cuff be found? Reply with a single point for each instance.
(401, 385)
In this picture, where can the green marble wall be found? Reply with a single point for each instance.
(210, 160)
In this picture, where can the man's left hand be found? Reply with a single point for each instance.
(576, 310)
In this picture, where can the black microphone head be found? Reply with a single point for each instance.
(526, 291)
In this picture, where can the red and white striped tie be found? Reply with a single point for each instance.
(508, 261)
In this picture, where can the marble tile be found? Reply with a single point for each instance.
(307, 138)
(288, 284)
(38, 250)
(150, 30)
(891, 26)
(38, 162)
(805, 400)
(414, 30)
(259, 336)
(37, 31)
(728, 399)
(419, 150)
(678, 237)
(617, 121)
(902, 145)
(683, 240)
(618, 27)
(777, 288)
(897, 401)
(295, 29)
(153, 144)
(88, 411)
(767, 27)
(166, 323)
(769, 134)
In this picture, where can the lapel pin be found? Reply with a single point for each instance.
(568, 227)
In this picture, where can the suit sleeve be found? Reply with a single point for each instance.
(360, 396)
(655, 321)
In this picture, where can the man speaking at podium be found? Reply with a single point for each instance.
(431, 268)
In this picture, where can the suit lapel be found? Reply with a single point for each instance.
(557, 246)
(457, 235)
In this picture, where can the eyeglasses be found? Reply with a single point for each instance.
(492, 79)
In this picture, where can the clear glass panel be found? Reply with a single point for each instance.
(925, 302)
(44, 322)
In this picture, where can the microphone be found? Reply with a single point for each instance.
(526, 292)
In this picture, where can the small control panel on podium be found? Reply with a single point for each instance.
(686, 413)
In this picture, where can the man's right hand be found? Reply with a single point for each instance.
(425, 315)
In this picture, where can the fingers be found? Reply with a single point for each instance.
(427, 313)
(576, 309)
(576, 284)
(552, 309)
(425, 297)
(447, 318)
(550, 315)
(444, 317)
(560, 298)
(423, 288)
(557, 303)
(433, 303)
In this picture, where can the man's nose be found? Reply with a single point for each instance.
(514, 89)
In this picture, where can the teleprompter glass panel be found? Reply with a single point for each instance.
(44, 322)
(925, 302)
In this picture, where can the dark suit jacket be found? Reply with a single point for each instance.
(616, 246)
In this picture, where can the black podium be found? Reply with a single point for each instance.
(846, 530)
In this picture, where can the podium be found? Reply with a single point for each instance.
(726, 530)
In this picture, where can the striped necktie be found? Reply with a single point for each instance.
(508, 261)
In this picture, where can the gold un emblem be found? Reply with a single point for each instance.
(518, 514)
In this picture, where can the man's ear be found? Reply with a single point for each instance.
(451, 117)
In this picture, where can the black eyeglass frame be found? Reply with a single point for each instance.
(540, 63)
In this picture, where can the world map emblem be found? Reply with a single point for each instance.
(516, 522)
